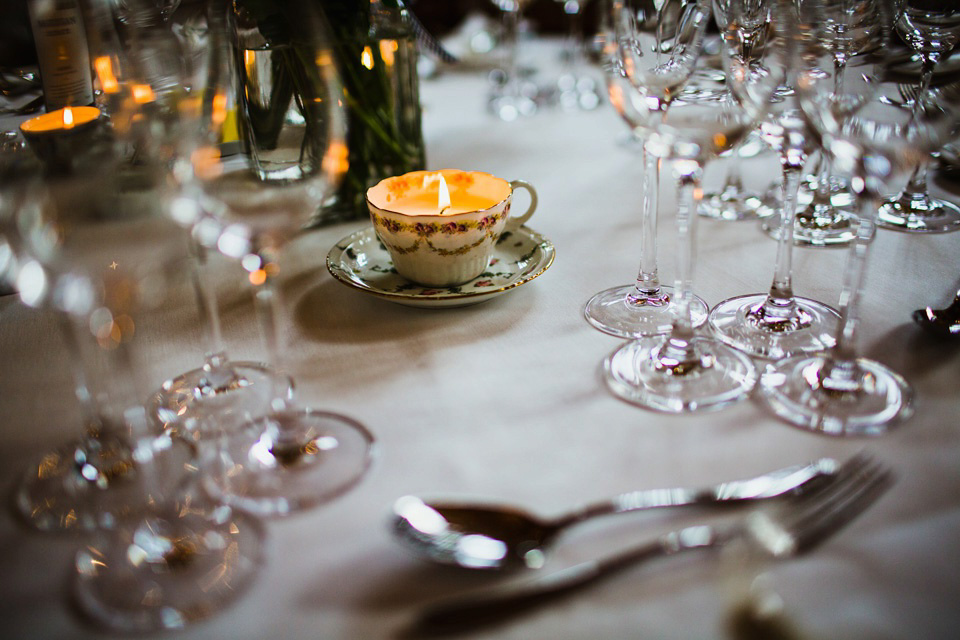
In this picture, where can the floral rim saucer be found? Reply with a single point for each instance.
(362, 262)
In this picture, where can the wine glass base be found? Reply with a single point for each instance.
(291, 460)
(723, 376)
(868, 402)
(732, 205)
(164, 572)
(613, 312)
(941, 217)
(182, 403)
(812, 328)
(89, 484)
(840, 230)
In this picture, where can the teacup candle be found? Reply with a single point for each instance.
(60, 136)
(440, 227)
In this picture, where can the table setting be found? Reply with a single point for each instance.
(280, 362)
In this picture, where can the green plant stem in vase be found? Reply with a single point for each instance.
(375, 51)
(376, 54)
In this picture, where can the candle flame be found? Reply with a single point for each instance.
(108, 80)
(366, 58)
(67, 118)
(443, 192)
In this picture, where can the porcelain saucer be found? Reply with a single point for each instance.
(362, 262)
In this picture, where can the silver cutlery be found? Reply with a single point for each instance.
(477, 536)
(796, 527)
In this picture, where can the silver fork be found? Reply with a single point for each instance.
(794, 528)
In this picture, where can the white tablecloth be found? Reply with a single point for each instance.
(504, 401)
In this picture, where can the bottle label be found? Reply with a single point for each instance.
(62, 53)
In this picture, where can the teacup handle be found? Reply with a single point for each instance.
(515, 222)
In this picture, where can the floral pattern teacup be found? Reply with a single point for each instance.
(438, 242)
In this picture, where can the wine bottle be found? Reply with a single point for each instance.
(62, 53)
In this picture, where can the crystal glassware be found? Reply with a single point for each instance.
(733, 201)
(644, 307)
(576, 90)
(511, 97)
(830, 218)
(184, 402)
(932, 30)
(92, 481)
(684, 371)
(291, 458)
(83, 484)
(100, 227)
(777, 324)
(872, 139)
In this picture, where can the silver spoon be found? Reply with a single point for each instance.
(477, 536)
(943, 322)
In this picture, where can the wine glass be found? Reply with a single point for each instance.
(98, 227)
(643, 81)
(830, 219)
(684, 371)
(777, 324)
(932, 30)
(290, 458)
(871, 138)
(184, 402)
(81, 484)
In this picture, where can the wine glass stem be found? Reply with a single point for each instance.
(781, 291)
(648, 281)
(268, 305)
(845, 347)
(511, 28)
(123, 411)
(916, 188)
(88, 404)
(679, 354)
(824, 177)
(573, 13)
(215, 367)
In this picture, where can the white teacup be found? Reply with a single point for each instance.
(438, 241)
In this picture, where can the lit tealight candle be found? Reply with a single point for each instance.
(62, 137)
(433, 196)
(60, 121)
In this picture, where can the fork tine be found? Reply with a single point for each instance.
(809, 520)
(856, 466)
(837, 505)
(828, 522)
